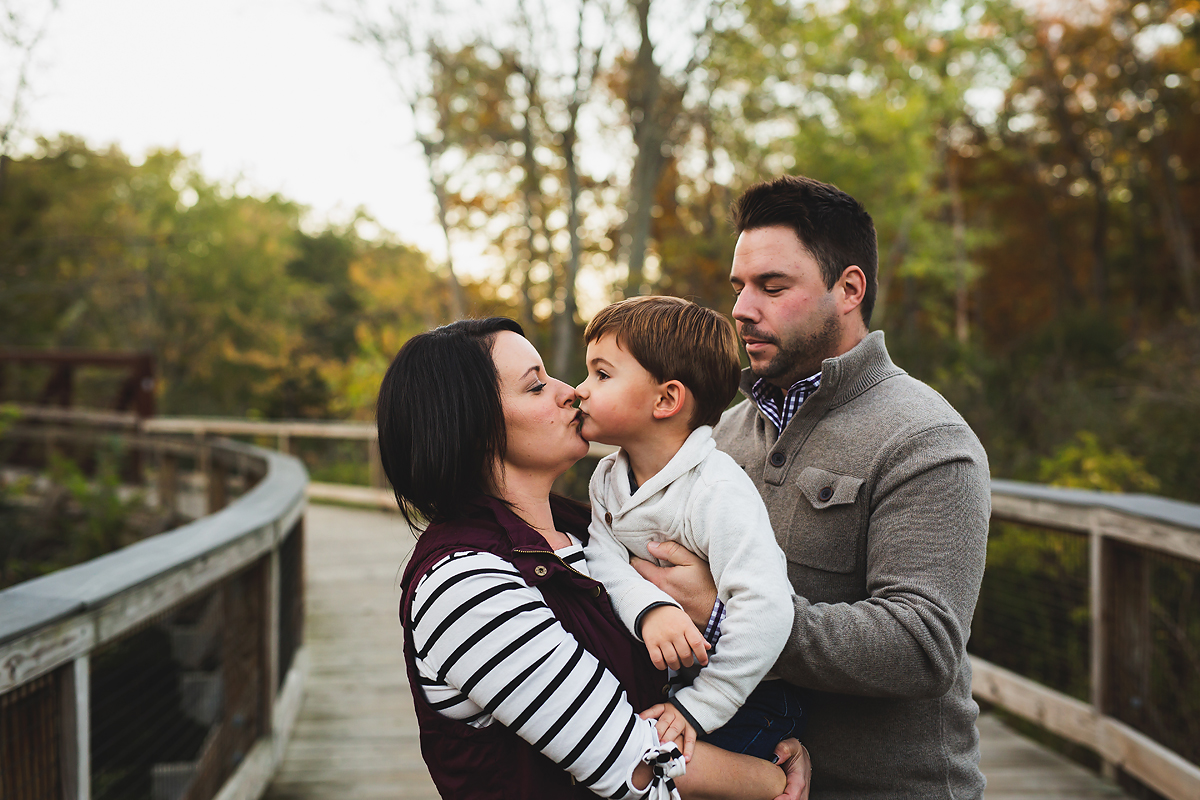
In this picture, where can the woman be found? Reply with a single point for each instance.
(524, 682)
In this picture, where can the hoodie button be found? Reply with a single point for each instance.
(778, 459)
(540, 571)
(607, 518)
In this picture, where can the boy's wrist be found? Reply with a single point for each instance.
(641, 618)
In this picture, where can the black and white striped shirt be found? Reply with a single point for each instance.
(489, 649)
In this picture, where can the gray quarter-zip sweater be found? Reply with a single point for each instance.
(879, 495)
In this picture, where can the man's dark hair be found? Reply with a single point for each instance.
(441, 419)
(836, 228)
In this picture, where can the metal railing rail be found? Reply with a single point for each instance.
(53, 625)
(1123, 531)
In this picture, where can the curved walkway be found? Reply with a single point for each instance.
(356, 738)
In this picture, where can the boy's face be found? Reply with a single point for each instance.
(618, 397)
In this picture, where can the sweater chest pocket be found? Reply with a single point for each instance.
(828, 518)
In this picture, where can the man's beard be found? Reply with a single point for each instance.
(799, 358)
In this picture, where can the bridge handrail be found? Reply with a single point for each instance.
(250, 525)
(1117, 580)
(50, 626)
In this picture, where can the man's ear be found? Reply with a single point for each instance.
(672, 397)
(850, 289)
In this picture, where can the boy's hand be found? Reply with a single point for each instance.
(672, 638)
(673, 727)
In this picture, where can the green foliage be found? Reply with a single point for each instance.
(67, 517)
(1085, 464)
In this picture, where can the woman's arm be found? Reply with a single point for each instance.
(490, 648)
(490, 640)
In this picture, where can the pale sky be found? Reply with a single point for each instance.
(271, 90)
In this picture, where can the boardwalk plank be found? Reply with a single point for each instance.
(357, 736)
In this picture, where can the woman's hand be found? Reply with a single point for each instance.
(797, 767)
(688, 579)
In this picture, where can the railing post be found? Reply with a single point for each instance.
(271, 629)
(284, 443)
(168, 481)
(376, 464)
(216, 476)
(1099, 600)
(76, 731)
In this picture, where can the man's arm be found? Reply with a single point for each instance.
(926, 544)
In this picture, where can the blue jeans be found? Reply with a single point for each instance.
(774, 711)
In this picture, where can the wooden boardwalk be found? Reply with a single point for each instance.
(356, 736)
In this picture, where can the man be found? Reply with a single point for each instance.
(878, 493)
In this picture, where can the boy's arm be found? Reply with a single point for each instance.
(729, 524)
(630, 593)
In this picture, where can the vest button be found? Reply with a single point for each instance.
(778, 459)
(607, 518)
(825, 493)
(667, 690)
(595, 591)
(540, 571)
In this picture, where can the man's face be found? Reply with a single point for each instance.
(785, 315)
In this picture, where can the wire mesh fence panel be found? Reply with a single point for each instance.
(155, 694)
(1164, 703)
(1033, 613)
(291, 597)
(176, 706)
(31, 739)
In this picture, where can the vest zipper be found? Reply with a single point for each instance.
(552, 553)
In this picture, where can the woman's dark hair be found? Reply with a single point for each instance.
(440, 418)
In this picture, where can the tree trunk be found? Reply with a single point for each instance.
(644, 102)
(1175, 224)
(962, 329)
(458, 305)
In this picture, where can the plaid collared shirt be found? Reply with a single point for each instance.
(778, 407)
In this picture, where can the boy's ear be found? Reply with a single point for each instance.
(672, 397)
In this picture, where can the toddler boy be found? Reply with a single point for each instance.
(660, 372)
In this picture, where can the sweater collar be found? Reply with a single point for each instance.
(846, 376)
(698, 445)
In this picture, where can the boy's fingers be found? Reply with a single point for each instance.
(697, 645)
(689, 742)
(653, 712)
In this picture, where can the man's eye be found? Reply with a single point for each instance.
(772, 289)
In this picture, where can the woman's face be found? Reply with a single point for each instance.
(542, 424)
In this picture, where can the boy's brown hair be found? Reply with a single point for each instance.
(676, 340)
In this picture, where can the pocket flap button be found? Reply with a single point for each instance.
(540, 571)
(825, 493)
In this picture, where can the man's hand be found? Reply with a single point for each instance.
(797, 766)
(673, 727)
(671, 638)
(688, 579)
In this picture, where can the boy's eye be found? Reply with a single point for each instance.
(601, 374)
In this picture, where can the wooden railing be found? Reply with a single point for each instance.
(1124, 533)
(218, 601)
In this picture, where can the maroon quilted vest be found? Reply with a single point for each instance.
(493, 763)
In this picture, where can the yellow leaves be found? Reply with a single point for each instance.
(1084, 463)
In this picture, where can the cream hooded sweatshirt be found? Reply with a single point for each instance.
(704, 501)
